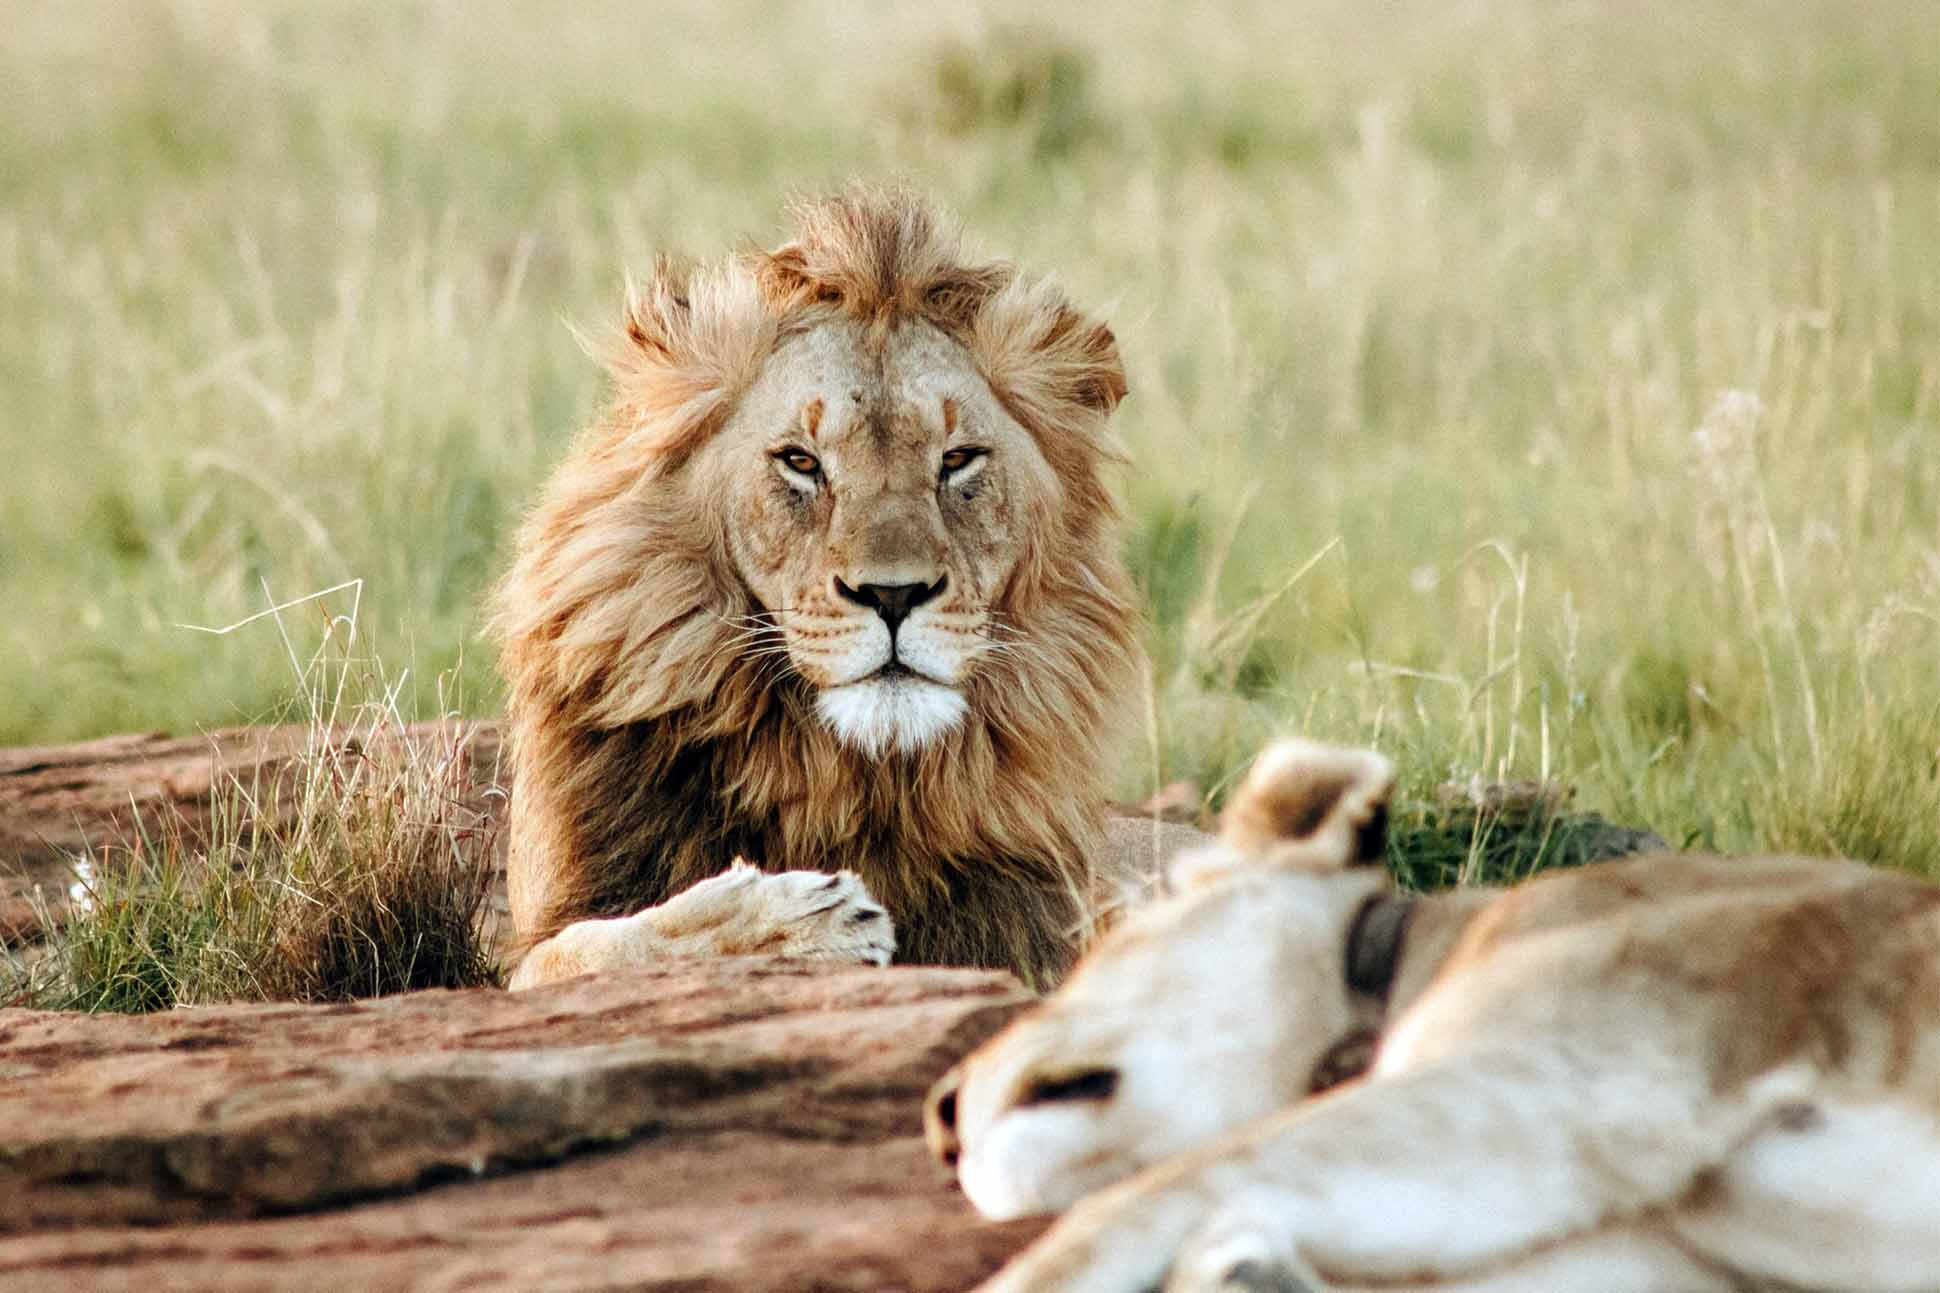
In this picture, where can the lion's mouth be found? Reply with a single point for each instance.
(895, 708)
(896, 671)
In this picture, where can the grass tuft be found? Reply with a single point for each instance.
(364, 867)
(1498, 835)
(372, 876)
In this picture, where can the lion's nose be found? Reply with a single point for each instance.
(940, 1118)
(893, 602)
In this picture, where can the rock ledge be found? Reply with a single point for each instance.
(708, 1126)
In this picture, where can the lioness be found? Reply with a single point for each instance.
(833, 586)
(1672, 1073)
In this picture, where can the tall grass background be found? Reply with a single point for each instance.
(1537, 390)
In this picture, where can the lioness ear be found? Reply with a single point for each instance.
(1303, 805)
(1315, 806)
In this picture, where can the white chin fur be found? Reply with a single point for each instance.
(880, 715)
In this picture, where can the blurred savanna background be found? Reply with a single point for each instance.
(1538, 390)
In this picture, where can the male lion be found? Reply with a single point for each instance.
(833, 586)
(1669, 1073)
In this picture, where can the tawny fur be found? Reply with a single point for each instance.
(650, 747)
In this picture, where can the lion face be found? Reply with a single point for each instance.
(850, 499)
(880, 500)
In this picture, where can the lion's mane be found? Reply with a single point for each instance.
(649, 747)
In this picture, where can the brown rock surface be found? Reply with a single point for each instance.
(706, 1126)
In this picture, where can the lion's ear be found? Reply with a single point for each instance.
(1044, 357)
(659, 314)
(1316, 806)
(1099, 382)
(691, 341)
(784, 277)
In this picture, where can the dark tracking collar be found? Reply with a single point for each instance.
(1374, 943)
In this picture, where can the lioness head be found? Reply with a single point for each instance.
(1198, 1013)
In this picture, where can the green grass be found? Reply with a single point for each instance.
(1453, 289)
(364, 868)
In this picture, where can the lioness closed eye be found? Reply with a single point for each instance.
(1668, 1073)
(833, 586)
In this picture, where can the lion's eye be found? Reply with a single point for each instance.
(957, 459)
(798, 460)
(1085, 1085)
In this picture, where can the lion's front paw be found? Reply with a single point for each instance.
(807, 915)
